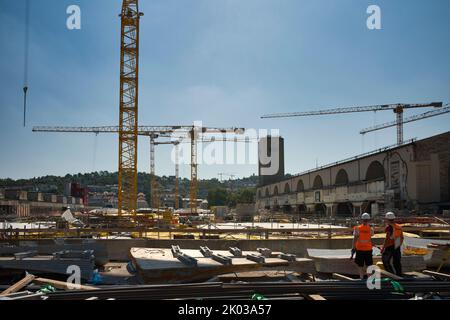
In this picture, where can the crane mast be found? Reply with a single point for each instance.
(128, 114)
(153, 183)
(177, 177)
(194, 166)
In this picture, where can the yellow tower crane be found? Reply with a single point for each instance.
(128, 128)
(128, 119)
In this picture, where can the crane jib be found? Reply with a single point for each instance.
(383, 107)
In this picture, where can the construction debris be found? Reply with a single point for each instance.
(63, 285)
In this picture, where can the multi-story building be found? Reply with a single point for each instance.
(16, 203)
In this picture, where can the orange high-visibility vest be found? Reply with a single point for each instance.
(364, 241)
(397, 235)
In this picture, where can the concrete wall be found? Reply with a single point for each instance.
(118, 249)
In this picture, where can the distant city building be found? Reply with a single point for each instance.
(201, 203)
(16, 203)
(108, 199)
(73, 189)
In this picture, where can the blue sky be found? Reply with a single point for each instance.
(226, 63)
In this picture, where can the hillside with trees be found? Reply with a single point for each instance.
(218, 192)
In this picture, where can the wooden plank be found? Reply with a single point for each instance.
(437, 274)
(316, 297)
(416, 275)
(342, 277)
(19, 285)
(390, 275)
(61, 284)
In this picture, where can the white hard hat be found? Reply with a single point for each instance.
(390, 216)
(365, 216)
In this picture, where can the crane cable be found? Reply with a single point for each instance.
(26, 56)
(94, 158)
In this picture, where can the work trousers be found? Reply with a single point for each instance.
(392, 260)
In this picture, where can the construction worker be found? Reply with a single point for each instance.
(362, 245)
(391, 251)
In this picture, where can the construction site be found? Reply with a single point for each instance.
(296, 236)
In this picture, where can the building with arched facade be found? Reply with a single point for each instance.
(407, 177)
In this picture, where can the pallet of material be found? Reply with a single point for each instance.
(338, 261)
(155, 265)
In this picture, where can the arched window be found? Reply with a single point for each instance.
(344, 209)
(318, 184)
(302, 208)
(287, 189)
(341, 178)
(320, 209)
(267, 192)
(300, 186)
(375, 171)
(275, 191)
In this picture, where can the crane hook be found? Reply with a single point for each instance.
(25, 90)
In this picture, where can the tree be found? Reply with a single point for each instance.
(246, 196)
(217, 197)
